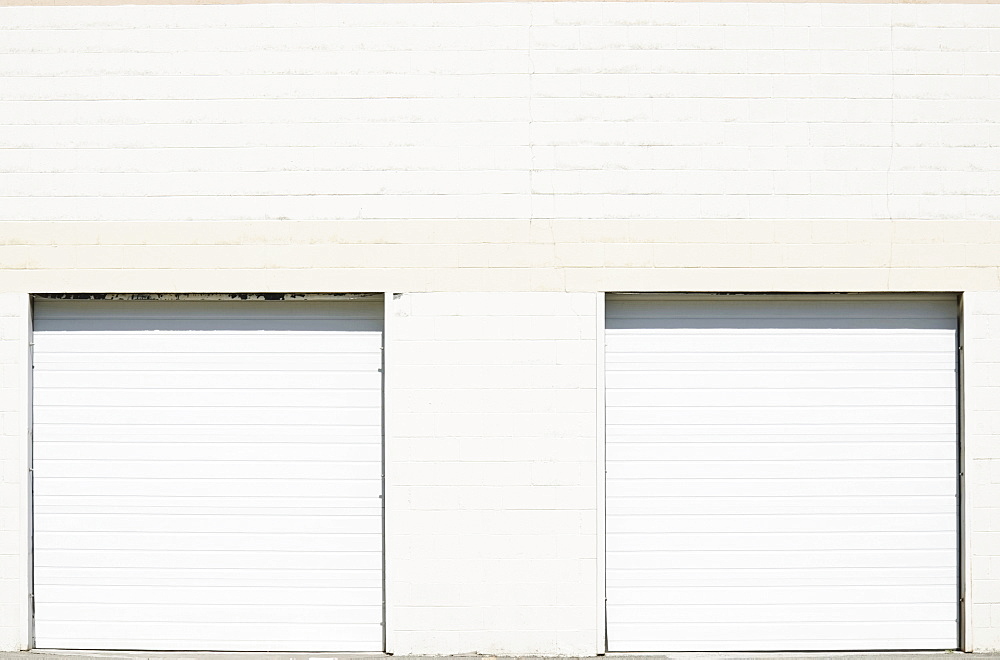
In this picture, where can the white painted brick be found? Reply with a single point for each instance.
(981, 420)
(507, 427)
(503, 147)
(13, 416)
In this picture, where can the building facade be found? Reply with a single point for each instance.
(529, 327)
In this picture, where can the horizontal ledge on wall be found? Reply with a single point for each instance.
(63, 3)
(157, 297)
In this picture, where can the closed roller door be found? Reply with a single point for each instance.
(781, 473)
(208, 475)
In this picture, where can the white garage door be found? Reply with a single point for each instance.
(208, 475)
(781, 473)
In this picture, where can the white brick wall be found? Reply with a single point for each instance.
(491, 472)
(582, 146)
(500, 110)
(14, 377)
(981, 422)
(561, 148)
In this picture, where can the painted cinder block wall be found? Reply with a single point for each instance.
(499, 166)
(491, 474)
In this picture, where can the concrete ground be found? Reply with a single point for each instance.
(190, 655)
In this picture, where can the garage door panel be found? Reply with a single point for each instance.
(751, 576)
(791, 468)
(700, 522)
(820, 343)
(800, 636)
(203, 559)
(752, 361)
(795, 613)
(204, 472)
(168, 379)
(773, 395)
(211, 346)
(815, 415)
(817, 449)
(775, 466)
(222, 541)
(714, 541)
(216, 416)
(790, 432)
(678, 559)
(284, 577)
(195, 394)
(778, 506)
(691, 313)
(205, 504)
(229, 613)
(278, 362)
(237, 433)
(282, 491)
(233, 596)
(340, 448)
(237, 468)
(801, 595)
(783, 487)
(212, 315)
(642, 379)
(209, 636)
(344, 521)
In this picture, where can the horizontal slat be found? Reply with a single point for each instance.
(763, 577)
(620, 522)
(243, 432)
(366, 520)
(790, 487)
(748, 558)
(207, 504)
(281, 490)
(856, 394)
(353, 610)
(793, 449)
(818, 415)
(329, 447)
(792, 636)
(803, 468)
(843, 360)
(788, 613)
(209, 379)
(199, 558)
(866, 309)
(201, 595)
(219, 346)
(782, 432)
(231, 542)
(775, 378)
(323, 364)
(798, 504)
(360, 644)
(348, 395)
(806, 595)
(118, 315)
(212, 636)
(102, 417)
(819, 344)
(281, 576)
(180, 469)
(628, 542)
